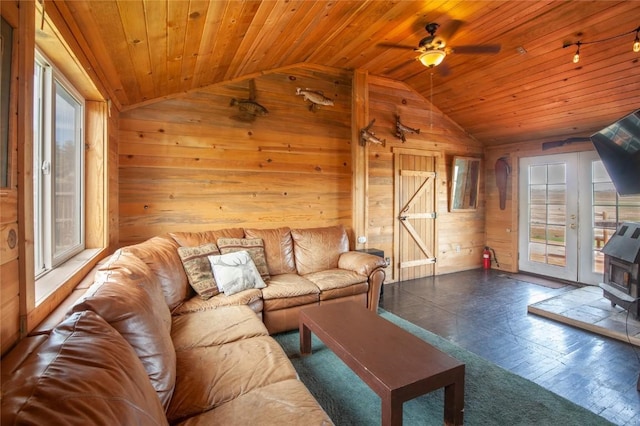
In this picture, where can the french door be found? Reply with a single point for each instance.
(568, 210)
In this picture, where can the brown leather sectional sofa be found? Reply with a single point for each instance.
(140, 347)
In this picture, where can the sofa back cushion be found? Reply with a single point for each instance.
(318, 249)
(129, 298)
(278, 249)
(192, 239)
(161, 255)
(84, 373)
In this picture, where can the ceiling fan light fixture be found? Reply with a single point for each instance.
(432, 58)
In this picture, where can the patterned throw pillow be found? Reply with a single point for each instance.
(235, 272)
(195, 261)
(253, 246)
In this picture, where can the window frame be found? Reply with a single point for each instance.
(44, 150)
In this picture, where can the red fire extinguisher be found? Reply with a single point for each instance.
(486, 258)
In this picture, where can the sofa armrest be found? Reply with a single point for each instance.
(361, 263)
(370, 266)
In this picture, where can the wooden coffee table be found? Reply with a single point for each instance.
(394, 363)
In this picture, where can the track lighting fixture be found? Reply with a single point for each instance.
(635, 47)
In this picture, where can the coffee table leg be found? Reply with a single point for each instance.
(305, 339)
(391, 411)
(454, 401)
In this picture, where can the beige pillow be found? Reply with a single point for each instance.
(253, 246)
(235, 272)
(195, 261)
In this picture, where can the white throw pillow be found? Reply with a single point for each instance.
(235, 272)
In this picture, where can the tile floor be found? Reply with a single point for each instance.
(486, 312)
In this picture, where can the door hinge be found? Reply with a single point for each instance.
(432, 260)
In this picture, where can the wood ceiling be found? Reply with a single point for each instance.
(530, 91)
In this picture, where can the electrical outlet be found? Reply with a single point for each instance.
(458, 248)
(387, 260)
(362, 239)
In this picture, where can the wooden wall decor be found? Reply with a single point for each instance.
(248, 108)
(402, 130)
(368, 135)
(315, 98)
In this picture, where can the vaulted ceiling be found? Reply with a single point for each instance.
(529, 91)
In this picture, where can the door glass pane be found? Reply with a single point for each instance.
(609, 210)
(556, 174)
(68, 173)
(557, 214)
(537, 175)
(547, 214)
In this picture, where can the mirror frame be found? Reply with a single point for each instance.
(467, 170)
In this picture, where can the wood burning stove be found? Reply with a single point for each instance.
(621, 265)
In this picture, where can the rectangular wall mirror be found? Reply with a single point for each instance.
(465, 180)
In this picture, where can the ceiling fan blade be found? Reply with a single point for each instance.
(443, 70)
(480, 49)
(448, 32)
(395, 46)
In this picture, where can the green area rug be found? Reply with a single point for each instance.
(493, 395)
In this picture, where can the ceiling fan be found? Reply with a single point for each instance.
(433, 48)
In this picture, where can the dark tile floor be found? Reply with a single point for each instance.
(485, 312)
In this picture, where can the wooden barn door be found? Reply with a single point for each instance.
(414, 214)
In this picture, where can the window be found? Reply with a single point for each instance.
(58, 169)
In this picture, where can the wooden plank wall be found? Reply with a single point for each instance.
(9, 232)
(437, 133)
(186, 165)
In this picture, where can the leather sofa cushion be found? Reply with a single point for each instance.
(215, 327)
(213, 375)
(85, 373)
(129, 298)
(278, 247)
(287, 402)
(289, 290)
(251, 297)
(192, 239)
(318, 249)
(288, 285)
(161, 255)
(335, 278)
(345, 293)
